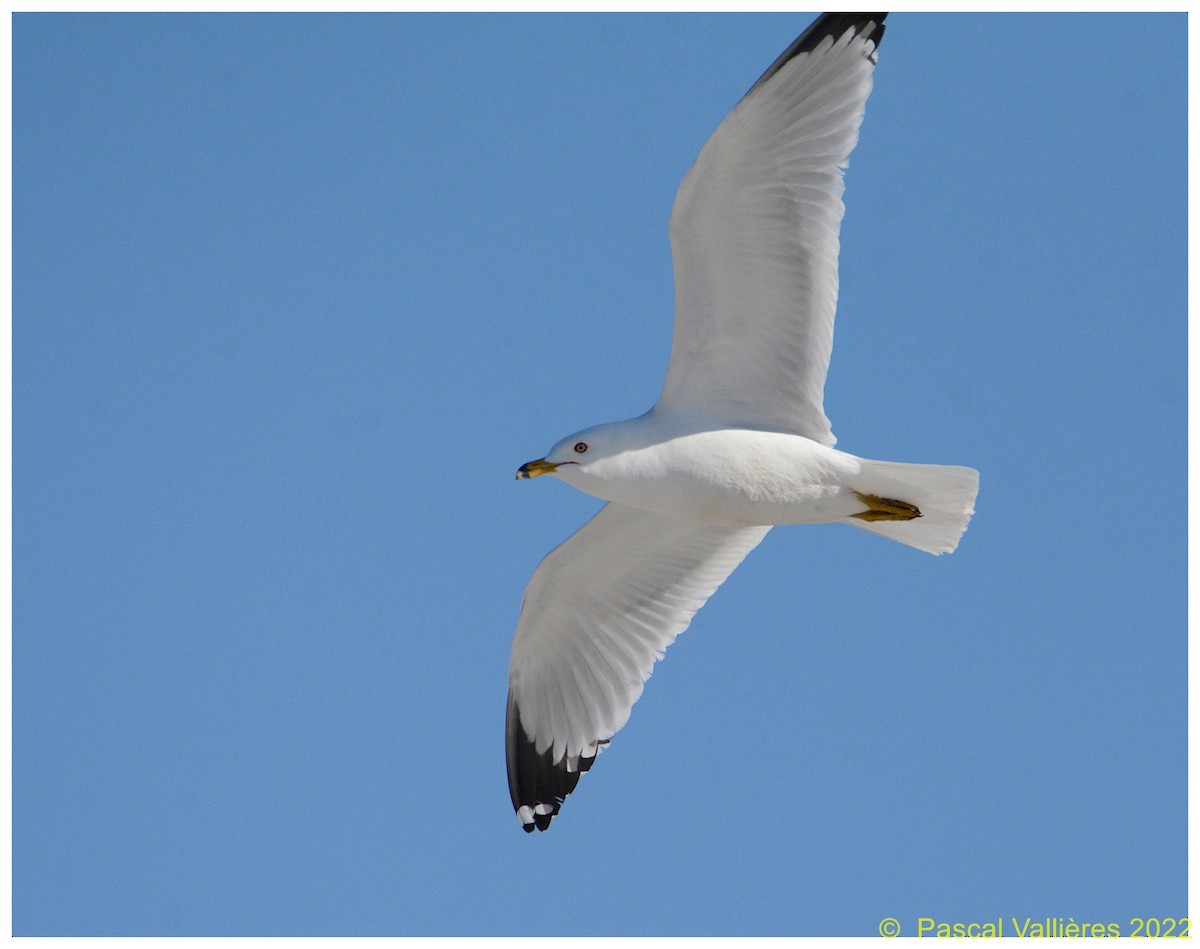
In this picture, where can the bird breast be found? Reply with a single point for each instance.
(732, 476)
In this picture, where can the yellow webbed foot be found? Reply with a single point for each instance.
(885, 509)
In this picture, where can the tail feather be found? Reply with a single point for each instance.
(945, 495)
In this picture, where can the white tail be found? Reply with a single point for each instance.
(945, 495)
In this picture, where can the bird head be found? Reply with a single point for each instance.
(590, 453)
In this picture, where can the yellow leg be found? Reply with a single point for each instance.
(886, 509)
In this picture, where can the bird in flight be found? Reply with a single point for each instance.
(738, 441)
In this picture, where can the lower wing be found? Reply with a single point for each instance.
(598, 612)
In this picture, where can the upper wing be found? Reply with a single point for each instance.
(599, 611)
(754, 233)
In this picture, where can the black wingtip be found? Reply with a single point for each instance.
(827, 24)
(537, 784)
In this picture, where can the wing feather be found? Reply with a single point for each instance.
(599, 611)
(754, 233)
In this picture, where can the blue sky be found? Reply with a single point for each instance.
(294, 296)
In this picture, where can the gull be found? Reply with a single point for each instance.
(738, 441)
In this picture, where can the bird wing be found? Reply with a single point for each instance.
(754, 233)
(598, 612)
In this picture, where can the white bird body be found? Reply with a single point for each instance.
(673, 465)
(735, 477)
(738, 441)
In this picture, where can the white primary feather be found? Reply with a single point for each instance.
(754, 233)
(599, 611)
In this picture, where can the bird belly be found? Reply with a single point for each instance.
(739, 478)
(743, 506)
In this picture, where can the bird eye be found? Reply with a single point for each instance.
(581, 447)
